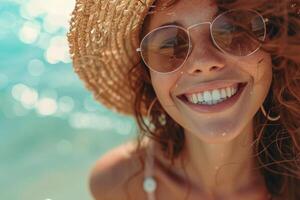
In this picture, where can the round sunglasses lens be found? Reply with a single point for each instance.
(239, 32)
(165, 49)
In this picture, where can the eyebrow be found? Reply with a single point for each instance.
(177, 23)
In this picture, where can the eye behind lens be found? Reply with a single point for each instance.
(239, 31)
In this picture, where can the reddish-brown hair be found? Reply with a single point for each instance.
(276, 144)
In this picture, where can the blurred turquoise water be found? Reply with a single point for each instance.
(52, 130)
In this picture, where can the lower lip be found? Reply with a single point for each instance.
(219, 106)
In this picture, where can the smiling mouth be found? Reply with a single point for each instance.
(184, 95)
(216, 106)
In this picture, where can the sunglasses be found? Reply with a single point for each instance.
(238, 32)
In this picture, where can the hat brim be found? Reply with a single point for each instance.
(103, 38)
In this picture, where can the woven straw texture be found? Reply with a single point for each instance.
(103, 38)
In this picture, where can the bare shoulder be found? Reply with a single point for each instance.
(112, 172)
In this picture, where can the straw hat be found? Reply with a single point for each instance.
(103, 38)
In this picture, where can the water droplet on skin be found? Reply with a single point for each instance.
(224, 133)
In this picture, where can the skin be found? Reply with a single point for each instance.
(221, 140)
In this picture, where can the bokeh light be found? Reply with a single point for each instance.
(29, 32)
(52, 129)
(29, 98)
(46, 106)
(36, 67)
(58, 50)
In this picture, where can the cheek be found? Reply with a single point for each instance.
(260, 72)
(259, 68)
(263, 78)
(263, 74)
(162, 87)
(263, 71)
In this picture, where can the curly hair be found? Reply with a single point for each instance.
(276, 144)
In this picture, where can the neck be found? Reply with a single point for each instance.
(223, 167)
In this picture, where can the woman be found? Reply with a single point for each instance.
(213, 87)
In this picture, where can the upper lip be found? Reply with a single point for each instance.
(208, 86)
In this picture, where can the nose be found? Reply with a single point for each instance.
(204, 58)
(204, 61)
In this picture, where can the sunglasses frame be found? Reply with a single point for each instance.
(264, 20)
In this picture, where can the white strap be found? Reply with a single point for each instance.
(149, 184)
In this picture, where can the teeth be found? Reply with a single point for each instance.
(212, 97)
(195, 100)
(233, 90)
(223, 93)
(216, 95)
(200, 97)
(207, 96)
(228, 92)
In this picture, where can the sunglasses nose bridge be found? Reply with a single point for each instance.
(195, 34)
(199, 36)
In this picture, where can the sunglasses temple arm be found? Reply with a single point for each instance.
(156, 52)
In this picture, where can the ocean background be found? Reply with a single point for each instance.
(52, 131)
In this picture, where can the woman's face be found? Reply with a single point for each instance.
(207, 64)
